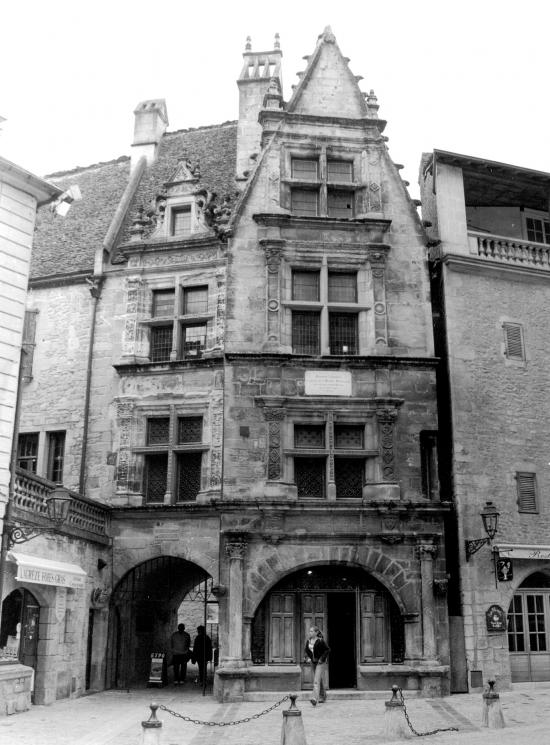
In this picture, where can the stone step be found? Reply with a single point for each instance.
(339, 694)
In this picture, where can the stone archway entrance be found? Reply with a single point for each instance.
(359, 618)
(20, 623)
(144, 614)
(529, 630)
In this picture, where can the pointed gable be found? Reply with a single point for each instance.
(328, 87)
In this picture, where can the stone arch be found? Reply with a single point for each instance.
(262, 576)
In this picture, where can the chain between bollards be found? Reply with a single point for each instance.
(401, 702)
(224, 724)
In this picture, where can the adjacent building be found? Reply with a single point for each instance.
(234, 362)
(490, 236)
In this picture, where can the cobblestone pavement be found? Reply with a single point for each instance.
(114, 717)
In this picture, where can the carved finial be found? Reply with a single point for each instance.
(277, 42)
(372, 104)
(248, 45)
(328, 36)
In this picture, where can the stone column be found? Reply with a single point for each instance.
(235, 549)
(413, 638)
(426, 554)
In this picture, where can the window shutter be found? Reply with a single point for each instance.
(513, 336)
(29, 338)
(527, 492)
(281, 635)
(374, 628)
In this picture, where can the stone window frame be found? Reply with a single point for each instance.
(322, 153)
(179, 319)
(326, 266)
(180, 203)
(173, 412)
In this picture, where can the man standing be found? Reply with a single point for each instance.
(202, 652)
(180, 643)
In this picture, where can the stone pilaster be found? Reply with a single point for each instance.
(274, 417)
(331, 486)
(377, 260)
(386, 423)
(427, 553)
(235, 550)
(273, 249)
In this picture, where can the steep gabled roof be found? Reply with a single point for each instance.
(64, 245)
(327, 86)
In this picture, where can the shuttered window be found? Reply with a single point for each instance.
(513, 339)
(374, 628)
(527, 492)
(281, 636)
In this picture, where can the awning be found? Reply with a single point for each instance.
(40, 571)
(521, 551)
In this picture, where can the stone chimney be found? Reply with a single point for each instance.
(151, 121)
(260, 70)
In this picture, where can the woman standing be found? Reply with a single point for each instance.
(317, 651)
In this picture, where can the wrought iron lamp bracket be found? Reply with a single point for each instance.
(472, 547)
(21, 534)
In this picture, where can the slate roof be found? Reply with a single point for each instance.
(65, 245)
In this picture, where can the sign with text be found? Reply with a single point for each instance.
(328, 383)
(524, 552)
(46, 576)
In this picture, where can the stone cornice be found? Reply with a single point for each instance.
(328, 121)
(272, 219)
(475, 265)
(334, 362)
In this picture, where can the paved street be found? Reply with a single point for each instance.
(113, 718)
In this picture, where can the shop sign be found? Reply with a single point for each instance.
(40, 571)
(524, 552)
(156, 670)
(495, 618)
(327, 383)
(505, 570)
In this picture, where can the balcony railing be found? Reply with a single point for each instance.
(86, 517)
(510, 250)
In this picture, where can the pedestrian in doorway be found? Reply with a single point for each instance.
(202, 652)
(180, 643)
(317, 651)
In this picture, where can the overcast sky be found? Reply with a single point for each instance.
(471, 77)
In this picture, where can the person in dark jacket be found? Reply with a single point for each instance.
(317, 651)
(202, 652)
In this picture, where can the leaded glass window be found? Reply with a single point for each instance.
(189, 476)
(309, 476)
(309, 435)
(349, 477)
(156, 472)
(158, 431)
(163, 303)
(195, 300)
(343, 333)
(160, 343)
(189, 429)
(305, 332)
(342, 287)
(305, 285)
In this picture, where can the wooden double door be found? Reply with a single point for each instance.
(355, 625)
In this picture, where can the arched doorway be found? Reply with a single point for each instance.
(20, 624)
(144, 613)
(529, 630)
(360, 620)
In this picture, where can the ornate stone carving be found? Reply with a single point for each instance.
(330, 422)
(274, 451)
(391, 538)
(441, 587)
(426, 551)
(386, 421)
(236, 549)
(272, 414)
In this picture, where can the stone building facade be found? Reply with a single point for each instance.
(234, 335)
(490, 261)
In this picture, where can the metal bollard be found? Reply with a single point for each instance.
(293, 732)
(151, 729)
(395, 724)
(491, 711)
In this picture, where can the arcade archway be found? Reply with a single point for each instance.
(359, 617)
(144, 614)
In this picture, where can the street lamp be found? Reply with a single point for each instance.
(489, 516)
(57, 507)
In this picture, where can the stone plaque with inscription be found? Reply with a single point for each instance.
(327, 383)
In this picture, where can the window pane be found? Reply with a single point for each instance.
(340, 170)
(342, 288)
(305, 285)
(304, 202)
(194, 340)
(348, 436)
(56, 453)
(340, 203)
(27, 451)
(309, 476)
(181, 222)
(163, 303)
(309, 435)
(195, 300)
(305, 332)
(189, 476)
(305, 169)
(189, 429)
(156, 471)
(348, 475)
(158, 431)
(343, 333)
(534, 230)
(161, 343)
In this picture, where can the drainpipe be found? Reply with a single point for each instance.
(95, 290)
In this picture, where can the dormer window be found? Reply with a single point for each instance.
(180, 226)
(322, 187)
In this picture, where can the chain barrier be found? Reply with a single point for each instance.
(422, 734)
(223, 724)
